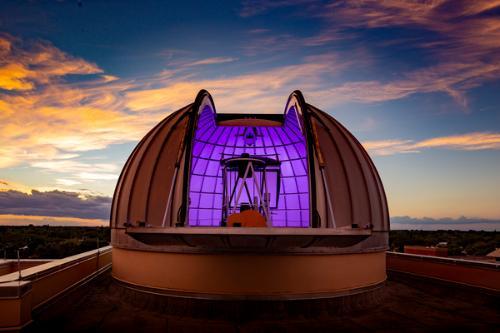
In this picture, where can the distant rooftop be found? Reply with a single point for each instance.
(494, 254)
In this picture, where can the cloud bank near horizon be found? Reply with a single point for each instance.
(55, 204)
(447, 223)
(81, 209)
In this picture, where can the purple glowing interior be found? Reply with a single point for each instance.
(213, 142)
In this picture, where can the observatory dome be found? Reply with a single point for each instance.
(203, 187)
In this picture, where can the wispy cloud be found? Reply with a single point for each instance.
(212, 61)
(73, 166)
(26, 65)
(264, 90)
(56, 120)
(466, 39)
(47, 121)
(468, 141)
(389, 147)
(453, 79)
(67, 182)
(465, 42)
(77, 172)
(258, 7)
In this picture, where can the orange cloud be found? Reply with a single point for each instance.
(7, 185)
(468, 141)
(265, 91)
(24, 65)
(47, 122)
(389, 147)
(14, 77)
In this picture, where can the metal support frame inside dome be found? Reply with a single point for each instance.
(250, 165)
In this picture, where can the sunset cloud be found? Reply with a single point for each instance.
(50, 123)
(420, 78)
(469, 141)
(265, 90)
(465, 43)
(389, 147)
(453, 79)
(77, 172)
(7, 185)
(25, 65)
(212, 61)
(46, 120)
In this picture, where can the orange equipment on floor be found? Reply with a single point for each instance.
(247, 218)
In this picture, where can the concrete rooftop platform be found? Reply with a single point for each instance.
(405, 304)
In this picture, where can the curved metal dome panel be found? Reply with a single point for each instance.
(142, 191)
(356, 191)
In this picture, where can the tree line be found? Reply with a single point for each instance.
(50, 242)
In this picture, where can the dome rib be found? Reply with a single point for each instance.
(126, 195)
(124, 175)
(376, 177)
(143, 171)
(349, 142)
(345, 177)
(157, 161)
(370, 188)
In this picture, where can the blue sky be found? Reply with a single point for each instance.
(417, 82)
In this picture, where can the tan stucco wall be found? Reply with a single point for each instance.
(470, 273)
(48, 286)
(45, 282)
(15, 312)
(249, 275)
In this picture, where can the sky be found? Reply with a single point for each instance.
(417, 82)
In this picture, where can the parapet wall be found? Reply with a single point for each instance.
(43, 283)
(11, 265)
(469, 273)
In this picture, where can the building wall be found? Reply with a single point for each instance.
(249, 275)
(43, 283)
(10, 265)
(469, 273)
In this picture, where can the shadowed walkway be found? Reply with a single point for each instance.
(403, 305)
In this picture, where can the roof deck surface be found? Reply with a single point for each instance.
(404, 304)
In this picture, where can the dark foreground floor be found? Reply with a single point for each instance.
(404, 305)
